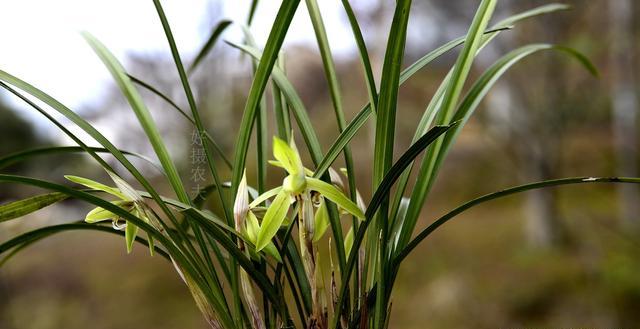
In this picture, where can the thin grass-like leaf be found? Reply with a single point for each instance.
(359, 120)
(171, 247)
(184, 114)
(489, 78)
(364, 55)
(330, 73)
(238, 255)
(28, 154)
(449, 103)
(280, 106)
(436, 101)
(17, 209)
(29, 238)
(208, 45)
(382, 192)
(180, 237)
(390, 82)
(348, 241)
(184, 80)
(146, 121)
(503, 193)
(143, 114)
(274, 42)
(299, 111)
(385, 134)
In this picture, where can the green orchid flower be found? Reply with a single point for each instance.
(128, 199)
(247, 223)
(298, 185)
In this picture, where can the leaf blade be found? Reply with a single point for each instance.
(17, 209)
(208, 45)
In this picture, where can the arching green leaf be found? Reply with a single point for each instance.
(26, 206)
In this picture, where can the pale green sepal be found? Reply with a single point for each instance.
(321, 221)
(130, 233)
(288, 158)
(252, 227)
(127, 190)
(264, 197)
(332, 193)
(273, 219)
(272, 251)
(95, 185)
(348, 241)
(99, 214)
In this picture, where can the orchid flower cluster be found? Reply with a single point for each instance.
(301, 192)
(301, 198)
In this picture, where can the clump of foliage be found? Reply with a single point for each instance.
(244, 264)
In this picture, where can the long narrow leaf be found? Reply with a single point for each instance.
(175, 106)
(27, 239)
(89, 129)
(382, 192)
(436, 101)
(488, 79)
(363, 115)
(364, 55)
(208, 45)
(274, 42)
(299, 111)
(184, 80)
(385, 140)
(28, 154)
(449, 103)
(503, 193)
(143, 114)
(26, 206)
(176, 254)
(336, 100)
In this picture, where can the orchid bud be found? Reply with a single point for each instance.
(294, 184)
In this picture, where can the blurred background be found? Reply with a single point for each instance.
(563, 257)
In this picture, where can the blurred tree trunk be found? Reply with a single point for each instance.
(533, 122)
(625, 106)
(534, 144)
(543, 228)
(543, 116)
(4, 301)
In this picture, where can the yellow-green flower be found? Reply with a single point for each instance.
(128, 199)
(297, 184)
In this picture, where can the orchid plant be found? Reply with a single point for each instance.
(245, 250)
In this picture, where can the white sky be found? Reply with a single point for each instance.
(41, 43)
